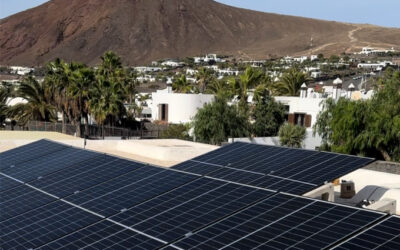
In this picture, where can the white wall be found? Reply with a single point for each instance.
(181, 107)
(310, 106)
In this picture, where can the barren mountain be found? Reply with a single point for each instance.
(145, 30)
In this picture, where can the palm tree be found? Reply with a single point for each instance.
(56, 81)
(3, 105)
(82, 79)
(111, 63)
(292, 135)
(219, 88)
(205, 77)
(290, 83)
(246, 81)
(37, 106)
(181, 85)
(106, 100)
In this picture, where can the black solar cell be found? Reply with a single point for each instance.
(29, 152)
(190, 207)
(385, 235)
(42, 225)
(20, 200)
(85, 175)
(7, 183)
(104, 235)
(282, 221)
(129, 190)
(36, 168)
(283, 169)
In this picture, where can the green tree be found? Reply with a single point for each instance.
(57, 81)
(292, 135)
(37, 106)
(217, 121)
(177, 131)
(369, 128)
(205, 77)
(268, 116)
(290, 83)
(82, 80)
(181, 85)
(240, 86)
(3, 105)
(106, 100)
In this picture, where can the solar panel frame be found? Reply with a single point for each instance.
(7, 183)
(295, 171)
(383, 235)
(189, 208)
(110, 198)
(43, 224)
(31, 170)
(24, 153)
(103, 235)
(286, 217)
(85, 175)
(20, 200)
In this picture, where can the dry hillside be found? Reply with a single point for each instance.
(146, 30)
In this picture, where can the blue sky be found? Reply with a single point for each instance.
(380, 12)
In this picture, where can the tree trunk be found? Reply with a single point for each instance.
(385, 154)
(102, 130)
(86, 126)
(78, 128)
(64, 124)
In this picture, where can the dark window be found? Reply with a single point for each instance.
(299, 119)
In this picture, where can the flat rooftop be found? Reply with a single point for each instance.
(165, 153)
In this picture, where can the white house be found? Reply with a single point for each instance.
(176, 108)
(21, 70)
(143, 69)
(146, 78)
(170, 63)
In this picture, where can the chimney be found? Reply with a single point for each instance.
(337, 88)
(350, 90)
(303, 91)
(169, 85)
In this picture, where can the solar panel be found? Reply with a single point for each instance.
(85, 175)
(282, 221)
(189, 207)
(21, 199)
(385, 235)
(283, 169)
(111, 203)
(42, 225)
(40, 166)
(128, 190)
(104, 235)
(28, 152)
(7, 183)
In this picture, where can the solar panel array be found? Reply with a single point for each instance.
(57, 197)
(289, 170)
(384, 235)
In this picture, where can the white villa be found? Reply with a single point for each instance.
(170, 107)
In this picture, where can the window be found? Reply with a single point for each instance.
(299, 119)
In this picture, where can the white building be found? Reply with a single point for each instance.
(21, 70)
(229, 72)
(143, 69)
(176, 108)
(170, 63)
(371, 51)
(146, 78)
(208, 58)
(191, 72)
